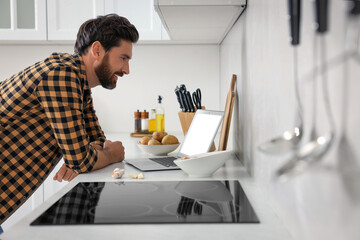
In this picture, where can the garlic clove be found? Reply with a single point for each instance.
(133, 175)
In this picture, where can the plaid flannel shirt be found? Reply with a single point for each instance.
(46, 113)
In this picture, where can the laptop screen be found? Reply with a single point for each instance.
(201, 133)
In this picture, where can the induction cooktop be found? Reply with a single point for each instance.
(151, 202)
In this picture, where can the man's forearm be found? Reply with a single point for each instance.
(104, 159)
(112, 152)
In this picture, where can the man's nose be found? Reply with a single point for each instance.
(126, 69)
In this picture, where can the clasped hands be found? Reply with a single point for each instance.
(114, 151)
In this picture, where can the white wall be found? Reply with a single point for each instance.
(324, 202)
(154, 70)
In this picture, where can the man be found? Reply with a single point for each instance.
(47, 112)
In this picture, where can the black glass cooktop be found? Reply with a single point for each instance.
(151, 202)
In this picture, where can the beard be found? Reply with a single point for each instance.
(104, 74)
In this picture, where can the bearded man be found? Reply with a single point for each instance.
(47, 112)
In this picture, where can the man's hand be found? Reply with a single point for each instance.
(65, 174)
(115, 150)
(112, 152)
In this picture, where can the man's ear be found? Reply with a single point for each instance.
(97, 50)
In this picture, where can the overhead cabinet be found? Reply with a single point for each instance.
(59, 20)
(199, 21)
(23, 20)
(142, 14)
(66, 16)
(185, 21)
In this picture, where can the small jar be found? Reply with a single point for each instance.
(144, 121)
(137, 116)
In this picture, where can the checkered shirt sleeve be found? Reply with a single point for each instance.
(61, 97)
(92, 125)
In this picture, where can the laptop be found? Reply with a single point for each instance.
(198, 139)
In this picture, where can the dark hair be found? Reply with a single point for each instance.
(108, 30)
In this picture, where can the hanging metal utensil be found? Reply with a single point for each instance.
(313, 151)
(290, 139)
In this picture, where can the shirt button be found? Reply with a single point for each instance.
(24, 197)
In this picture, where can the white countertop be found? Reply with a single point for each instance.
(270, 227)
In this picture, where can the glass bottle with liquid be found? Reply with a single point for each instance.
(152, 125)
(160, 116)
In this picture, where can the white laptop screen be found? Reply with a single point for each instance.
(201, 133)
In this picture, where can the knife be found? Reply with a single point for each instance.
(189, 101)
(177, 92)
(184, 101)
(182, 87)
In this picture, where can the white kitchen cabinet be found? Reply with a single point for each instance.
(59, 20)
(142, 14)
(66, 16)
(22, 19)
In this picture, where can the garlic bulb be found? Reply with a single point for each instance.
(118, 173)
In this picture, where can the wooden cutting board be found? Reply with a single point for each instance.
(140, 134)
(227, 116)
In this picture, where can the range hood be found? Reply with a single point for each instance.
(199, 21)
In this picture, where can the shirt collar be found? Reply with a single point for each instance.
(80, 62)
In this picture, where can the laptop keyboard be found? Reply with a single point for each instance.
(166, 161)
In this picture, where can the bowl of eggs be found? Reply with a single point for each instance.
(158, 144)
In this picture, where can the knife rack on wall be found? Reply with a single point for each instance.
(186, 119)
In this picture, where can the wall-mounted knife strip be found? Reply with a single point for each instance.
(227, 116)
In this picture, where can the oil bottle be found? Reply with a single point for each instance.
(152, 125)
(160, 116)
